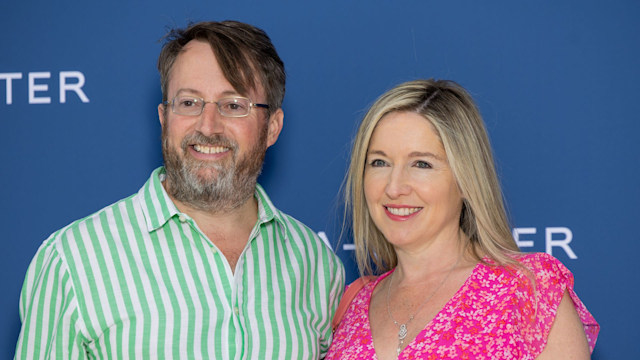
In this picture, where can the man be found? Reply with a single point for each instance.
(198, 264)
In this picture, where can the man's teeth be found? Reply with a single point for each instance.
(209, 149)
(403, 211)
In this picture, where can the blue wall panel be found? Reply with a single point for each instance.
(557, 82)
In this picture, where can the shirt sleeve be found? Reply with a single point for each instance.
(335, 293)
(552, 278)
(48, 311)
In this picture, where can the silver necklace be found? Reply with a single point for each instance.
(402, 332)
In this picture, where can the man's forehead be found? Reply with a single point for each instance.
(256, 93)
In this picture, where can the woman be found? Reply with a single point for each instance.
(428, 213)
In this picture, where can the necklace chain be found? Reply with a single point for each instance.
(402, 332)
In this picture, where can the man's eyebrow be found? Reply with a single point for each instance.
(188, 91)
(197, 92)
(230, 92)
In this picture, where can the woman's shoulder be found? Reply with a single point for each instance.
(552, 280)
(531, 271)
(546, 268)
(538, 260)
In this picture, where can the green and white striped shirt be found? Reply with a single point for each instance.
(139, 280)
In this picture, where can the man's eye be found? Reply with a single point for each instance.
(187, 102)
(234, 107)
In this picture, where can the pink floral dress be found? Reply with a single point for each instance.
(496, 314)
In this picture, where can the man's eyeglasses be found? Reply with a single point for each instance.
(229, 107)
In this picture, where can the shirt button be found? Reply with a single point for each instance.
(235, 310)
(182, 218)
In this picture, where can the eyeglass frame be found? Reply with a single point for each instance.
(205, 102)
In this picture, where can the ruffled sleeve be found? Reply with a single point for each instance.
(552, 278)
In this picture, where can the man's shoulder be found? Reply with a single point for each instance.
(294, 224)
(86, 225)
(299, 232)
(124, 211)
(294, 229)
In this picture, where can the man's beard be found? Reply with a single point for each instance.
(231, 183)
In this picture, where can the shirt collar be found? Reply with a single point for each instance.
(266, 210)
(156, 203)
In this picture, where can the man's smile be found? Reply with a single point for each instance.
(206, 149)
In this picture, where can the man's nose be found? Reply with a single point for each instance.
(211, 121)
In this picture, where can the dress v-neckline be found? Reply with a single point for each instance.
(449, 303)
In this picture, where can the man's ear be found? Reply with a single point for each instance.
(161, 109)
(274, 126)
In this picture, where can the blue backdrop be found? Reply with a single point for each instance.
(558, 83)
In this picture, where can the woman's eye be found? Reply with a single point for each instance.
(422, 164)
(377, 163)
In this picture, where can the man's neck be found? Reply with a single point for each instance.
(240, 216)
(228, 230)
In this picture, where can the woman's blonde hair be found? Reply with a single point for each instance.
(454, 115)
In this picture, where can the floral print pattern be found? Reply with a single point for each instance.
(498, 313)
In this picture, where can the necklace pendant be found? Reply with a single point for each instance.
(403, 332)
